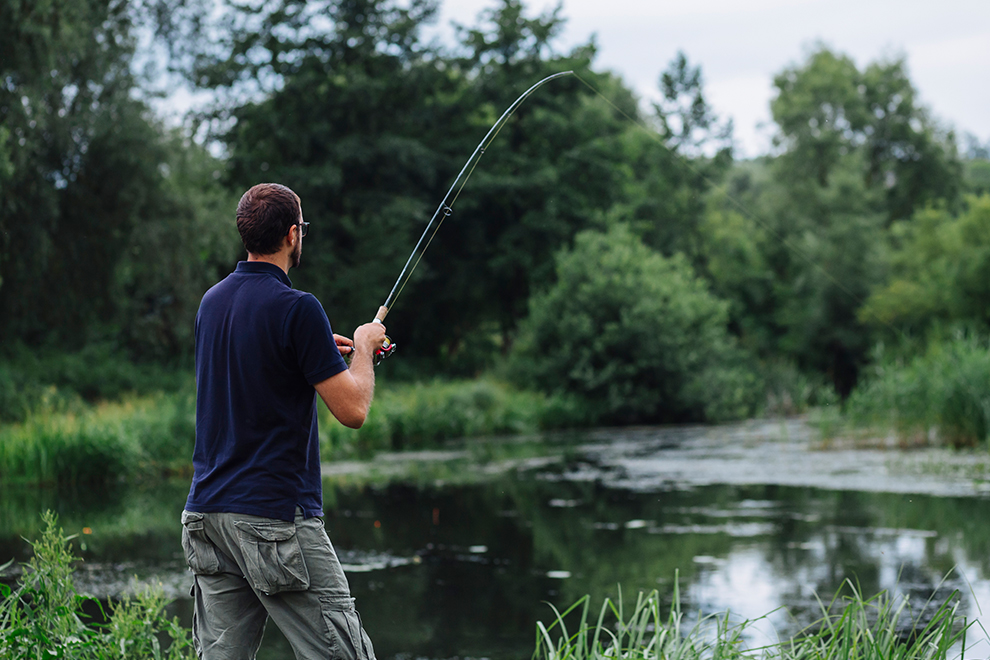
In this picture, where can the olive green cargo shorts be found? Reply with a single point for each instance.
(249, 568)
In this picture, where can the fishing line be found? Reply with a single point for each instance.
(447, 207)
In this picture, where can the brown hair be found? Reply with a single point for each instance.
(265, 214)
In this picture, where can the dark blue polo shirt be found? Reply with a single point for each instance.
(260, 347)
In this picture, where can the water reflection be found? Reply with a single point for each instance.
(446, 567)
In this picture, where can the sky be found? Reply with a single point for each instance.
(741, 44)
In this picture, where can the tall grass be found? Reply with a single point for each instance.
(419, 415)
(851, 628)
(943, 394)
(137, 437)
(44, 617)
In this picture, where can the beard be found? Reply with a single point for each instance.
(297, 254)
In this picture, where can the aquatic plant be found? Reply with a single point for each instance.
(942, 394)
(44, 617)
(851, 628)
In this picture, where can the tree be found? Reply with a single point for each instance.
(87, 182)
(827, 109)
(636, 335)
(940, 272)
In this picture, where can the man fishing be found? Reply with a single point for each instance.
(253, 531)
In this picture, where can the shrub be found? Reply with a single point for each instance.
(44, 617)
(635, 335)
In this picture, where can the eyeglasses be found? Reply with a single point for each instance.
(304, 228)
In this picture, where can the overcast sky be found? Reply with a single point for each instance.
(741, 44)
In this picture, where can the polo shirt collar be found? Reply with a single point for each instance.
(263, 267)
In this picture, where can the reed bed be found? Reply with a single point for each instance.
(418, 415)
(941, 396)
(135, 438)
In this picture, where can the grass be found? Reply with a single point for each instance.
(138, 437)
(941, 396)
(146, 437)
(420, 415)
(851, 628)
(44, 616)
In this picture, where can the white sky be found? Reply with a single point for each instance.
(742, 44)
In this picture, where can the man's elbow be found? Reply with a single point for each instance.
(353, 418)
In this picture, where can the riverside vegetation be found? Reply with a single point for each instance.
(597, 271)
(44, 616)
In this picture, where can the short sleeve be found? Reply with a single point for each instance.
(308, 332)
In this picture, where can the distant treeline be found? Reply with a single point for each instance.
(634, 264)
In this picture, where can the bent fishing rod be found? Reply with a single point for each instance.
(445, 209)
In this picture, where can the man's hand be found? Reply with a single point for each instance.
(344, 345)
(348, 394)
(368, 338)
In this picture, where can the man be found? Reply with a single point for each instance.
(252, 529)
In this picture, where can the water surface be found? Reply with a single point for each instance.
(457, 554)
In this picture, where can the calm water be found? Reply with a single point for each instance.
(459, 557)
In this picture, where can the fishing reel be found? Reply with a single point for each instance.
(388, 347)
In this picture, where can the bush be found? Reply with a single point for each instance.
(635, 335)
(58, 380)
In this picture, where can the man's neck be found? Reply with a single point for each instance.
(280, 259)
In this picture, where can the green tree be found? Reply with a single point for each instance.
(635, 334)
(940, 272)
(103, 216)
(828, 109)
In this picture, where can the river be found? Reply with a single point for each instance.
(457, 553)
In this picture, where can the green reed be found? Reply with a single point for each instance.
(851, 628)
(419, 415)
(133, 438)
(942, 395)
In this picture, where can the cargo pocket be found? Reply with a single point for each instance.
(201, 554)
(272, 556)
(348, 640)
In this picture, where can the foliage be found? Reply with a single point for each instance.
(44, 616)
(945, 392)
(827, 109)
(940, 271)
(637, 336)
(419, 415)
(132, 439)
(106, 219)
(853, 627)
(59, 381)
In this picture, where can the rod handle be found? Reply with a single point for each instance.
(382, 312)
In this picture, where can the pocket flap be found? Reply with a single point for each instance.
(282, 531)
(192, 520)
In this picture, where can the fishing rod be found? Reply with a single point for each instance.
(445, 209)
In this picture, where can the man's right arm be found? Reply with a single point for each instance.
(348, 394)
